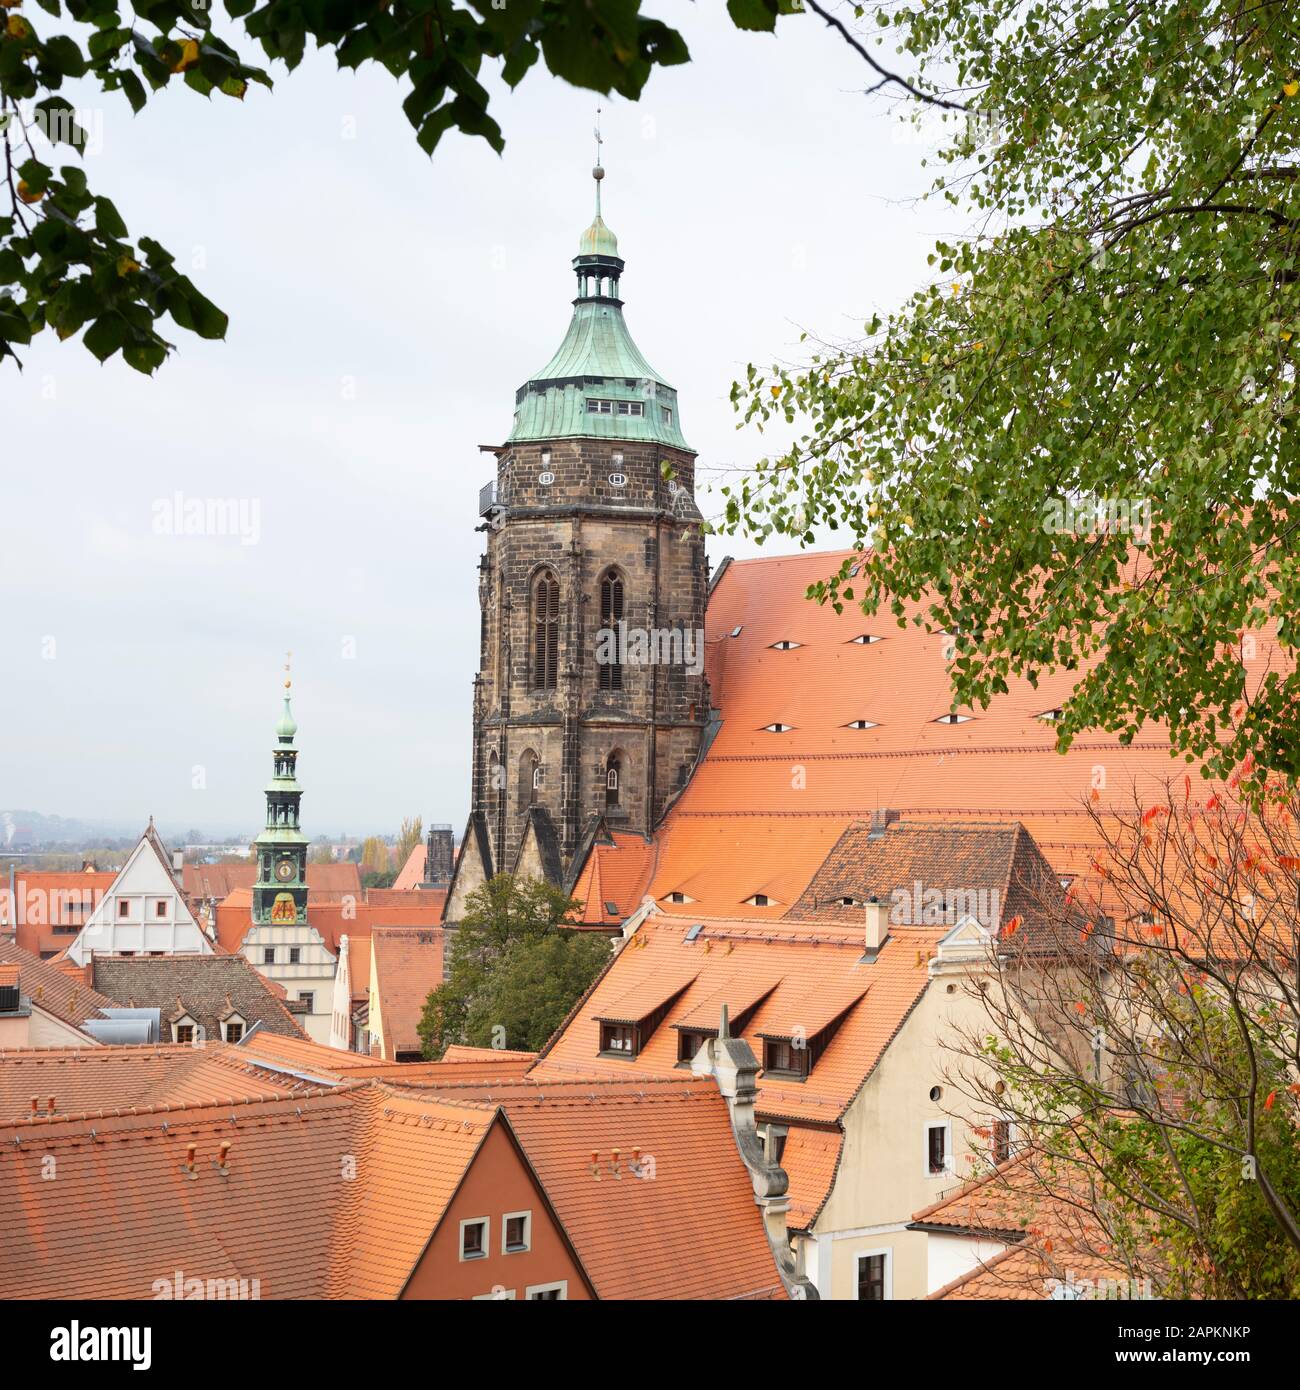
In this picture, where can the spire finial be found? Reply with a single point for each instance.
(288, 681)
(598, 172)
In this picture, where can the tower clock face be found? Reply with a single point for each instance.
(284, 870)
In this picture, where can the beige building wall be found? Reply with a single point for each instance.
(883, 1177)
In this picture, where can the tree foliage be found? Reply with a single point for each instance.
(514, 971)
(410, 835)
(1077, 444)
(1149, 1060)
(67, 260)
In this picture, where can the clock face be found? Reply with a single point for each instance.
(284, 870)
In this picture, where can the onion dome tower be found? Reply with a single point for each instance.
(280, 890)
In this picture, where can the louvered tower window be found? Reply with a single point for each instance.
(546, 631)
(611, 614)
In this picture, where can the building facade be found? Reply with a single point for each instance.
(590, 698)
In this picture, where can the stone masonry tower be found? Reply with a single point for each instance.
(590, 698)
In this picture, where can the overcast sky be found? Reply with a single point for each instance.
(384, 308)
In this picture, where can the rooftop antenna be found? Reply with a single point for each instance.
(598, 172)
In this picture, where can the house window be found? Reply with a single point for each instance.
(295, 955)
(530, 777)
(936, 1149)
(516, 1232)
(184, 1032)
(160, 908)
(781, 1055)
(123, 908)
(678, 897)
(595, 407)
(611, 614)
(268, 955)
(668, 414)
(613, 776)
(619, 1039)
(759, 900)
(308, 998)
(873, 1277)
(546, 631)
(474, 1238)
(553, 1293)
(1001, 1140)
(234, 1031)
(688, 1044)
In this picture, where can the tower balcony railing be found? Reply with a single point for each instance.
(487, 497)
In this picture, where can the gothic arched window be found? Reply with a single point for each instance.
(530, 777)
(496, 782)
(546, 631)
(613, 779)
(611, 615)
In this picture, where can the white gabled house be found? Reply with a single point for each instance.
(143, 911)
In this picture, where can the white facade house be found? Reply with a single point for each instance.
(297, 958)
(143, 911)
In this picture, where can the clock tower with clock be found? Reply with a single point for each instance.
(280, 890)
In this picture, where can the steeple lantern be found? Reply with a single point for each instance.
(280, 890)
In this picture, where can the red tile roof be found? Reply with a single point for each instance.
(1049, 1238)
(688, 1228)
(614, 879)
(64, 995)
(763, 810)
(411, 874)
(407, 964)
(91, 1079)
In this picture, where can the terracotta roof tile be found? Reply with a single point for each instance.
(63, 994)
(407, 964)
(209, 988)
(86, 1080)
(688, 1229)
(47, 901)
(411, 874)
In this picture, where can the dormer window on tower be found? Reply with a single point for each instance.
(602, 407)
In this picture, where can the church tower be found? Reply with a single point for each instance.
(280, 891)
(590, 699)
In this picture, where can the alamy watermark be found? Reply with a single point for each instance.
(621, 645)
(179, 515)
(1098, 516)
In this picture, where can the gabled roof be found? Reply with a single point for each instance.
(411, 874)
(539, 828)
(611, 877)
(57, 992)
(407, 964)
(688, 1228)
(208, 988)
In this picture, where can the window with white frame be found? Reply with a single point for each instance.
(474, 1238)
(938, 1149)
(875, 1276)
(516, 1232)
(555, 1293)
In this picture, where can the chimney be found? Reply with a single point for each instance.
(880, 822)
(877, 926)
(178, 860)
(49, 1106)
(439, 855)
(223, 1156)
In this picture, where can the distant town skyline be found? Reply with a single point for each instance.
(383, 311)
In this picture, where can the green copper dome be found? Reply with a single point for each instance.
(286, 728)
(598, 240)
(597, 384)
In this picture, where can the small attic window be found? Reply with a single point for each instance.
(736, 631)
(760, 900)
(777, 728)
(677, 896)
(953, 719)
(847, 901)
(865, 639)
(862, 724)
(1051, 716)
(785, 645)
